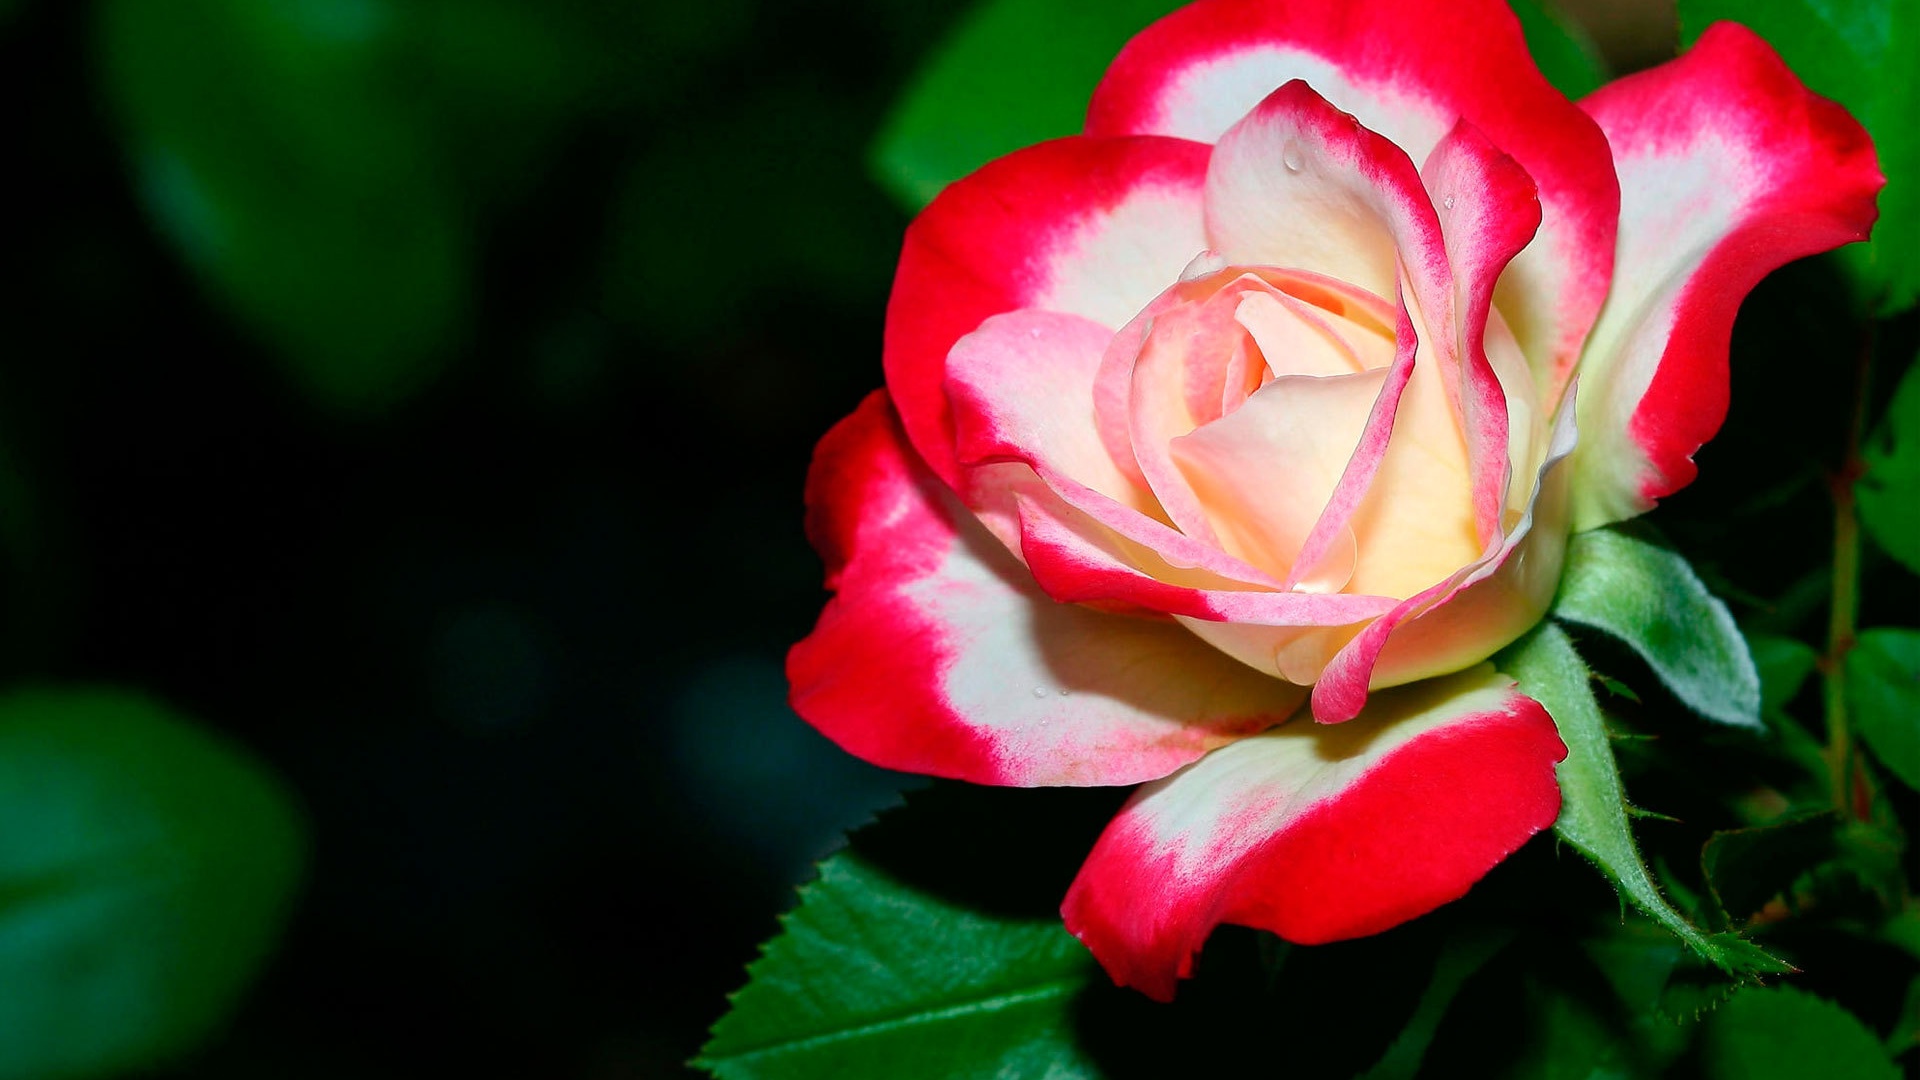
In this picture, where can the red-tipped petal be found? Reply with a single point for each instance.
(938, 654)
(1321, 833)
(1088, 227)
(1729, 167)
(1196, 72)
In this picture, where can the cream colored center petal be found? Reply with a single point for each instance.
(1263, 473)
(1292, 338)
(1526, 422)
(1249, 396)
(1415, 525)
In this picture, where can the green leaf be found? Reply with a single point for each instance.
(873, 977)
(146, 868)
(1746, 868)
(1570, 1036)
(1657, 983)
(1860, 53)
(1783, 664)
(1013, 73)
(1593, 810)
(325, 166)
(1906, 1030)
(308, 204)
(273, 146)
(1889, 490)
(1883, 693)
(1566, 55)
(1649, 598)
(1902, 929)
(1781, 1032)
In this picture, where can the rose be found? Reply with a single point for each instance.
(1266, 383)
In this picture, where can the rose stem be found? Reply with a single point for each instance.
(1843, 617)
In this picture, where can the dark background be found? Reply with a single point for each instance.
(461, 480)
(513, 634)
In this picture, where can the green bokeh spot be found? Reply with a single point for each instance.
(146, 868)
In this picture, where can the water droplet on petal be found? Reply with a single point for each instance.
(1064, 691)
(1449, 202)
(1331, 572)
(1290, 156)
(1039, 691)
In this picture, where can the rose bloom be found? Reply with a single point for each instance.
(1223, 443)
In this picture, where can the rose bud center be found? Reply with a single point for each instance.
(1259, 384)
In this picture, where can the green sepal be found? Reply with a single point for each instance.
(1593, 810)
(1650, 599)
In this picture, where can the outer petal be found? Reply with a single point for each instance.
(1090, 227)
(939, 655)
(1729, 167)
(1194, 73)
(1320, 834)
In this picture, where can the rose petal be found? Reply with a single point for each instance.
(1196, 72)
(1013, 384)
(1089, 227)
(1729, 167)
(1297, 183)
(1021, 389)
(1489, 211)
(1199, 349)
(939, 655)
(1297, 339)
(1264, 473)
(1475, 611)
(1320, 834)
(1182, 348)
(1415, 518)
(1078, 558)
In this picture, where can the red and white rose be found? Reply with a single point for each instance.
(1275, 396)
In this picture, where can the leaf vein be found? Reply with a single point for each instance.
(990, 1004)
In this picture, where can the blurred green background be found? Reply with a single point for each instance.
(403, 418)
(417, 394)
